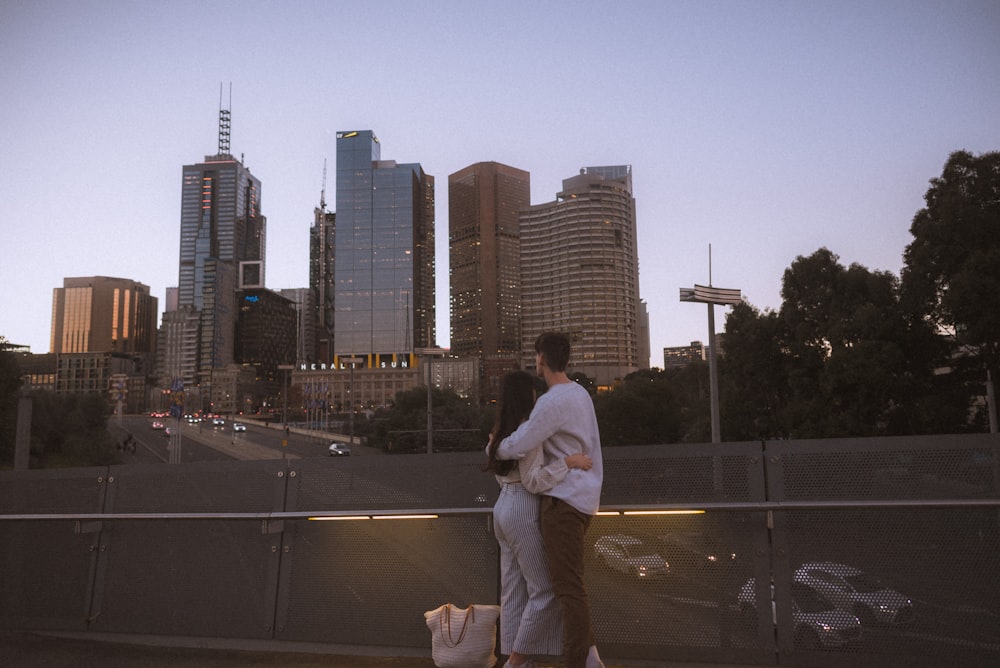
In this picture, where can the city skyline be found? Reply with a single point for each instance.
(767, 131)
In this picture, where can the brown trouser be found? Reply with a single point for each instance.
(563, 528)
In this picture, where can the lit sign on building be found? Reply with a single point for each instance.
(372, 361)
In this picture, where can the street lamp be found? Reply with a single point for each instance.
(284, 394)
(352, 361)
(712, 296)
(429, 354)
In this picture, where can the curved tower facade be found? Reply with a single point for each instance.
(580, 273)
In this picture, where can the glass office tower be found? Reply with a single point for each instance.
(384, 254)
(221, 227)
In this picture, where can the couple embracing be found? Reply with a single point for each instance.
(547, 458)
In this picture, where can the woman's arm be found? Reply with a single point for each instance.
(539, 479)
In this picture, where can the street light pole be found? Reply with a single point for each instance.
(350, 391)
(428, 354)
(284, 394)
(712, 296)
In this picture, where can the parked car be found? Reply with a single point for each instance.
(819, 624)
(239, 426)
(857, 592)
(339, 449)
(631, 555)
(696, 552)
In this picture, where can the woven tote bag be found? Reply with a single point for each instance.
(463, 638)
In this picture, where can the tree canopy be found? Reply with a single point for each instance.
(951, 273)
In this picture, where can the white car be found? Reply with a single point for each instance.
(339, 449)
(819, 624)
(856, 592)
(218, 422)
(239, 426)
(632, 556)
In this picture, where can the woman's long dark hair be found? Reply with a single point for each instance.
(517, 397)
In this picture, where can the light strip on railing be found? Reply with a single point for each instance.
(663, 512)
(374, 517)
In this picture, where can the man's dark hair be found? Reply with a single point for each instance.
(554, 348)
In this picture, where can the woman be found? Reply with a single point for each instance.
(530, 616)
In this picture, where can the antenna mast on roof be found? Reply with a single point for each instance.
(224, 121)
(322, 193)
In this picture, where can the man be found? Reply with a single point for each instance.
(563, 423)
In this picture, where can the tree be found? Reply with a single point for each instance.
(10, 384)
(951, 273)
(753, 375)
(641, 410)
(842, 357)
(458, 423)
(71, 430)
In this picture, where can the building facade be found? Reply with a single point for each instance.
(222, 250)
(678, 357)
(580, 273)
(484, 204)
(305, 322)
(223, 235)
(177, 348)
(384, 252)
(103, 314)
(322, 247)
(265, 333)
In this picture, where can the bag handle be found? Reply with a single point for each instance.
(446, 619)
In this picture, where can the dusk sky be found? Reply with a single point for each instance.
(766, 129)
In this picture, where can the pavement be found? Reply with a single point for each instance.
(58, 649)
(40, 649)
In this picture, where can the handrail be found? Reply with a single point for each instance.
(758, 506)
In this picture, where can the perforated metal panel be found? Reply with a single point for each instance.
(747, 581)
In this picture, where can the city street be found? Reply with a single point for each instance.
(202, 441)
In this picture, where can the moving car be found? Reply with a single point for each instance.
(857, 592)
(239, 426)
(157, 425)
(819, 624)
(632, 556)
(339, 449)
(218, 422)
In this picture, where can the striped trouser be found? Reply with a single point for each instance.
(530, 616)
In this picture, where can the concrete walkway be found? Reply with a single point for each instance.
(55, 649)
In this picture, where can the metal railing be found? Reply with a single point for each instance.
(351, 552)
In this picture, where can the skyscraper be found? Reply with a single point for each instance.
(222, 247)
(102, 314)
(384, 256)
(322, 244)
(580, 273)
(484, 201)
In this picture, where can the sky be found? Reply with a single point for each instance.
(757, 131)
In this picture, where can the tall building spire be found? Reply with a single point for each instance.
(224, 121)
